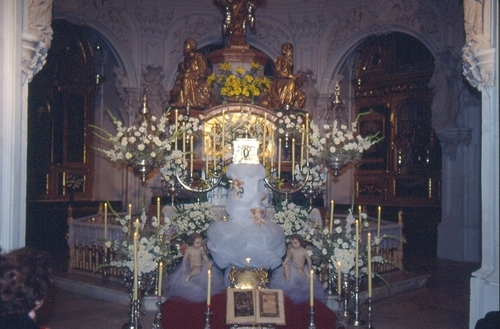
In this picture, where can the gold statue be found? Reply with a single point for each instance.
(285, 90)
(190, 88)
(238, 15)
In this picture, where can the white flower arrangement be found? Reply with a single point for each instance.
(174, 166)
(346, 144)
(153, 246)
(294, 220)
(318, 174)
(193, 218)
(146, 141)
(193, 126)
(340, 246)
(289, 125)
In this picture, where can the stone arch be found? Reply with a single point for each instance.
(205, 29)
(340, 58)
(267, 40)
(120, 51)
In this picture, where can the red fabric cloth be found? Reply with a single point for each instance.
(178, 313)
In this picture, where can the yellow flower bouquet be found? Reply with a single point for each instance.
(239, 85)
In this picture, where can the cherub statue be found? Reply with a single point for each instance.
(258, 216)
(298, 255)
(195, 255)
(285, 89)
(237, 186)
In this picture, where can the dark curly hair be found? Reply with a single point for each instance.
(24, 280)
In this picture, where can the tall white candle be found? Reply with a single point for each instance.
(311, 288)
(339, 278)
(307, 136)
(379, 216)
(184, 139)
(369, 250)
(214, 147)
(302, 147)
(136, 265)
(191, 155)
(279, 157)
(206, 161)
(357, 249)
(130, 210)
(264, 140)
(272, 148)
(160, 278)
(332, 206)
(176, 127)
(223, 132)
(209, 286)
(158, 209)
(293, 158)
(105, 221)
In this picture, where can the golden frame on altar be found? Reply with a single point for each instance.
(255, 306)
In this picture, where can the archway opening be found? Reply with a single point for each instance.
(403, 172)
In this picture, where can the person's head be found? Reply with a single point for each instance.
(287, 50)
(195, 240)
(24, 280)
(296, 240)
(189, 46)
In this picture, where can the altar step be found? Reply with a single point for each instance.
(115, 291)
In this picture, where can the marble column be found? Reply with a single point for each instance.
(480, 56)
(25, 40)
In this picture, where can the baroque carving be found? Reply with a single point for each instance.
(155, 21)
(477, 54)
(195, 27)
(413, 14)
(129, 96)
(156, 94)
(444, 83)
(451, 138)
(37, 38)
(110, 13)
(271, 34)
(306, 26)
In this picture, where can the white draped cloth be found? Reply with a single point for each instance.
(232, 242)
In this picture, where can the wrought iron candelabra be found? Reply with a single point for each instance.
(105, 267)
(311, 319)
(356, 319)
(370, 326)
(157, 321)
(196, 186)
(273, 183)
(134, 316)
(208, 314)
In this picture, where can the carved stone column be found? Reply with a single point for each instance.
(37, 38)
(481, 69)
(22, 53)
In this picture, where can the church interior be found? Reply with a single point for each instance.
(416, 81)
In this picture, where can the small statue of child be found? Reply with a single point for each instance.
(258, 216)
(195, 254)
(298, 255)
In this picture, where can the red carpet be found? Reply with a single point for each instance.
(177, 313)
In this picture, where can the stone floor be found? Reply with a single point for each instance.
(442, 303)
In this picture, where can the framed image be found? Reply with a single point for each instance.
(255, 306)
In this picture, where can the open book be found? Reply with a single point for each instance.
(255, 306)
